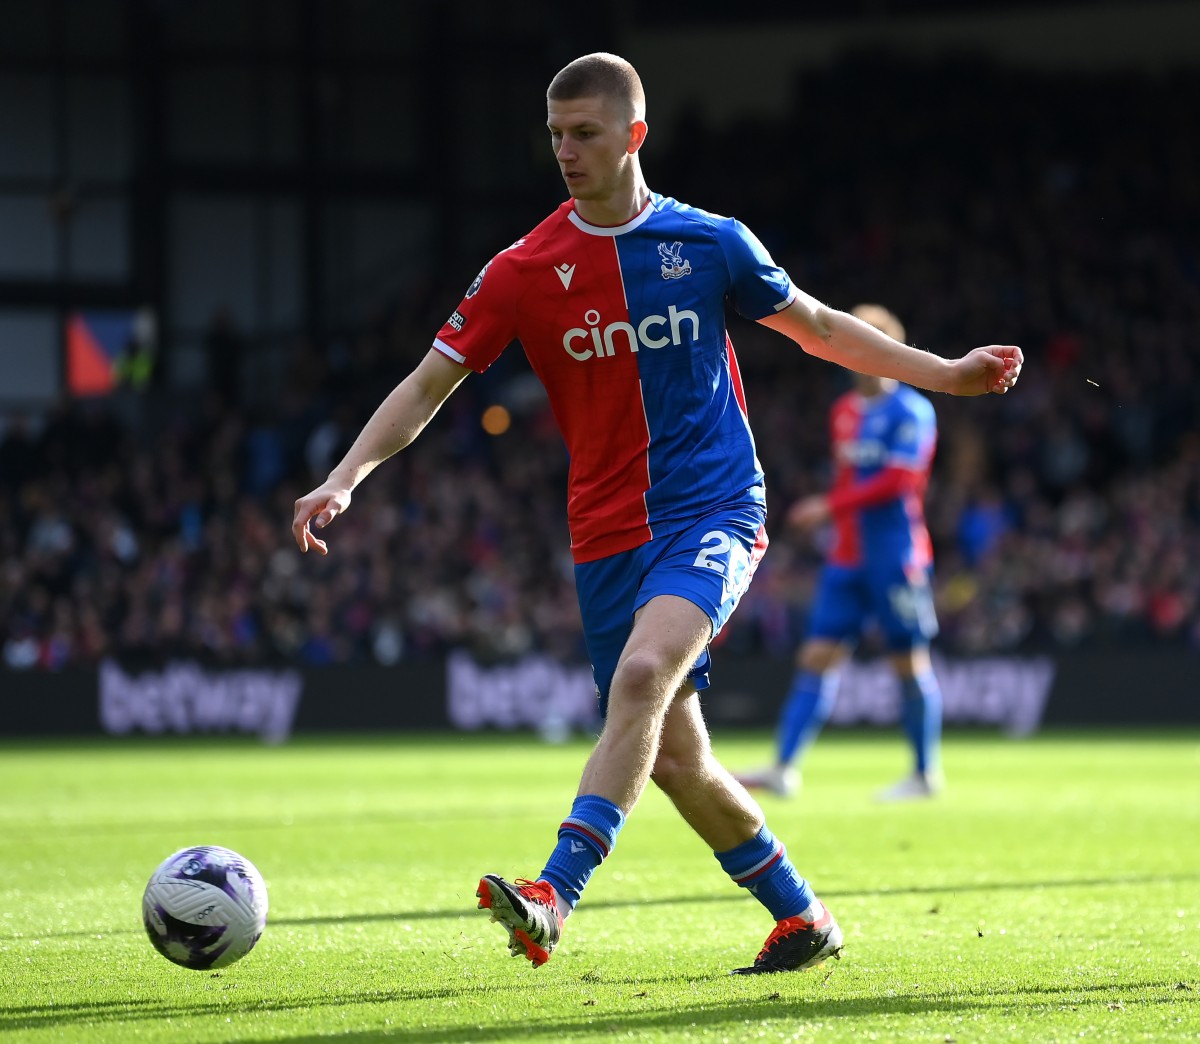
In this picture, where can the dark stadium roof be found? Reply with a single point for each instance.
(655, 12)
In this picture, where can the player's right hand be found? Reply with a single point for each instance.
(320, 507)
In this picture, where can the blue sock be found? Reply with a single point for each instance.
(585, 838)
(762, 865)
(809, 704)
(921, 717)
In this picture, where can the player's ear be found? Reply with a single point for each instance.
(637, 135)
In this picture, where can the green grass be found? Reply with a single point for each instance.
(1052, 893)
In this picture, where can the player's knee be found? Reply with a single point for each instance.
(912, 662)
(667, 772)
(674, 772)
(819, 657)
(641, 678)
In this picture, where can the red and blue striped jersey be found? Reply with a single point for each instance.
(625, 327)
(883, 450)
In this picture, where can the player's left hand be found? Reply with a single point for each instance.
(808, 512)
(991, 369)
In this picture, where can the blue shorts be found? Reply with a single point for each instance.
(710, 564)
(898, 599)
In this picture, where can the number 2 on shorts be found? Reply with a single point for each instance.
(712, 556)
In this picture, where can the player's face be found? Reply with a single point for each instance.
(594, 144)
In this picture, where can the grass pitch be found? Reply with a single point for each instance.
(1052, 893)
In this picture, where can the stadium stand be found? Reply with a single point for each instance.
(1064, 515)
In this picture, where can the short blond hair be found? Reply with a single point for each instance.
(600, 75)
(880, 318)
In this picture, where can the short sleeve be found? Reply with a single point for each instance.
(758, 286)
(484, 323)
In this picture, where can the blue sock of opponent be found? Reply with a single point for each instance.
(921, 717)
(762, 865)
(585, 838)
(808, 706)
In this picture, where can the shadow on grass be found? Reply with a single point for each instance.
(713, 1012)
(832, 895)
(735, 1017)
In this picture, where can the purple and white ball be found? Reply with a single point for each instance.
(205, 907)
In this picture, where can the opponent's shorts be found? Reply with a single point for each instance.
(710, 564)
(898, 598)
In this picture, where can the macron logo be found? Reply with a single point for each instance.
(564, 273)
(577, 846)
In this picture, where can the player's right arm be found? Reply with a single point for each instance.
(397, 421)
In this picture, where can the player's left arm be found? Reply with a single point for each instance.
(841, 338)
(890, 483)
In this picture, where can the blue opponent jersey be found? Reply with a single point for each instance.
(625, 327)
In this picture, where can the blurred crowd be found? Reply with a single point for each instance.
(1061, 213)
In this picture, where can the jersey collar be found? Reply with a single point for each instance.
(612, 230)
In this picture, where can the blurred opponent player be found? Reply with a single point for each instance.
(618, 299)
(883, 435)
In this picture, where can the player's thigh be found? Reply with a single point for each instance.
(822, 654)
(608, 598)
(669, 634)
(911, 662)
(903, 597)
(643, 622)
(709, 565)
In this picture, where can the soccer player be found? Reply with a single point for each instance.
(883, 435)
(618, 300)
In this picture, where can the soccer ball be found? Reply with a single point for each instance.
(205, 907)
